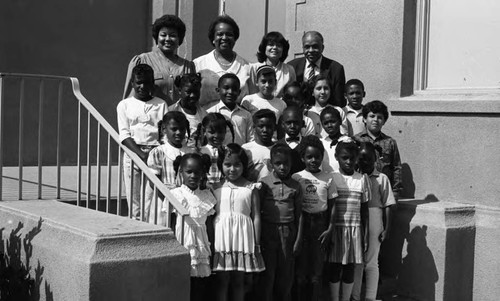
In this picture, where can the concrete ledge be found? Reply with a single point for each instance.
(431, 250)
(89, 255)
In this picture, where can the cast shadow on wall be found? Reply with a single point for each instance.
(16, 281)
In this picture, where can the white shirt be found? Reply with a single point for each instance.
(241, 120)
(318, 188)
(355, 121)
(139, 119)
(259, 160)
(254, 102)
(344, 129)
(329, 163)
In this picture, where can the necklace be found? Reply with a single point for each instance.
(218, 59)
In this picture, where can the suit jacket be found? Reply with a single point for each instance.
(297, 164)
(334, 70)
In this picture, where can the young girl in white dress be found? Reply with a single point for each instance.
(172, 131)
(345, 237)
(191, 168)
(212, 132)
(237, 226)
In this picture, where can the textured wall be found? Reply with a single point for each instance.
(80, 254)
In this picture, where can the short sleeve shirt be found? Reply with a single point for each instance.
(317, 188)
(278, 199)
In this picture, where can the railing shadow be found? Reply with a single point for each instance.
(16, 281)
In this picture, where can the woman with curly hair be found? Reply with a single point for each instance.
(168, 33)
(223, 34)
(273, 50)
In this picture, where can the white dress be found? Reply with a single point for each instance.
(234, 231)
(200, 204)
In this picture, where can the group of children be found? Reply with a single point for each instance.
(296, 195)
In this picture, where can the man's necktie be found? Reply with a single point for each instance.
(312, 74)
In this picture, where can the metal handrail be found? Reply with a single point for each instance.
(112, 134)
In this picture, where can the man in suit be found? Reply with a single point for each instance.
(313, 63)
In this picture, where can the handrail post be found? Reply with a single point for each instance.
(21, 137)
(40, 138)
(58, 142)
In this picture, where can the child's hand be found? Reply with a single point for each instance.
(325, 239)
(297, 246)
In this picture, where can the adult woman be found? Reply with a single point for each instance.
(273, 50)
(223, 34)
(168, 33)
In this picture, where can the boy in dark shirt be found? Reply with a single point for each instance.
(292, 122)
(375, 115)
(281, 207)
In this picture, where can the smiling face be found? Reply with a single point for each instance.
(174, 132)
(190, 95)
(331, 125)
(229, 90)
(214, 136)
(274, 51)
(232, 167)
(168, 40)
(143, 87)
(281, 165)
(321, 92)
(312, 47)
(312, 159)
(347, 161)
(224, 38)
(191, 173)
(374, 122)
(354, 96)
(264, 130)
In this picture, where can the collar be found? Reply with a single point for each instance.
(222, 105)
(317, 63)
(298, 139)
(375, 173)
(276, 180)
(318, 109)
(348, 108)
(333, 142)
(364, 133)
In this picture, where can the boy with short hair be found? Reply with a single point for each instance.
(281, 207)
(292, 122)
(375, 115)
(229, 90)
(354, 93)
(138, 118)
(294, 95)
(264, 99)
(258, 151)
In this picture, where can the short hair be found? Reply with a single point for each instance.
(232, 149)
(169, 21)
(310, 141)
(369, 147)
(376, 106)
(179, 117)
(293, 109)
(330, 110)
(281, 149)
(192, 78)
(314, 33)
(143, 70)
(223, 19)
(265, 69)
(303, 90)
(228, 75)
(216, 121)
(354, 82)
(204, 160)
(277, 38)
(348, 145)
(264, 113)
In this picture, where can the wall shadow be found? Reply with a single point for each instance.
(418, 275)
(16, 281)
(409, 185)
